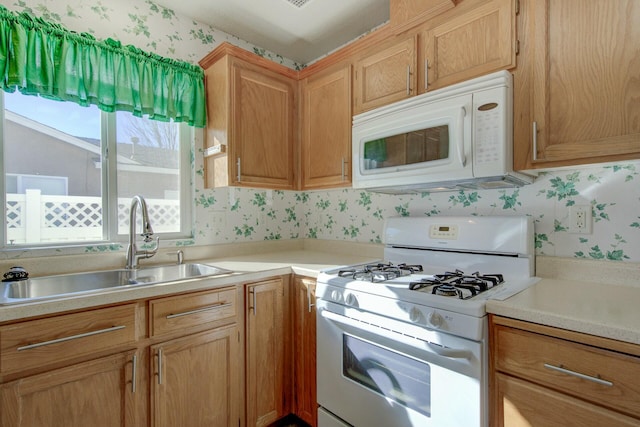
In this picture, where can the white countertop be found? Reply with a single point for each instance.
(606, 305)
(608, 308)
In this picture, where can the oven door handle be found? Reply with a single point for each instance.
(448, 352)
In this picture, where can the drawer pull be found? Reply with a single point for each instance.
(200, 310)
(69, 338)
(579, 375)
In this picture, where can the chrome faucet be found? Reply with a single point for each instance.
(133, 254)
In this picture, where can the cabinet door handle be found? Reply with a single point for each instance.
(252, 291)
(159, 366)
(408, 79)
(563, 370)
(238, 167)
(200, 310)
(71, 337)
(535, 140)
(134, 370)
(426, 74)
(309, 298)
(343, 169)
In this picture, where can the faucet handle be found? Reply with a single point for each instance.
(180, 255)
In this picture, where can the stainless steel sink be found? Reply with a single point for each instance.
(69, 284)
(172, 273)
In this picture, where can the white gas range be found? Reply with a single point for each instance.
(400, 341)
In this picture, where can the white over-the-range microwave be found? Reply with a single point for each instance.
(458, 137)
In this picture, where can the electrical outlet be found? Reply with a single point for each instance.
(581, 219)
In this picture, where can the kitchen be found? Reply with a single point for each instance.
(243, 215)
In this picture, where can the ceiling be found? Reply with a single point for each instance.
(300, 30)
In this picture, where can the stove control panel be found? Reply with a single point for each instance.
(447, 232)
(429, 319)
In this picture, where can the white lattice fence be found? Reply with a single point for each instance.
(36, 218)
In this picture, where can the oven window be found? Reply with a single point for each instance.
(397, 377)
(424, 145)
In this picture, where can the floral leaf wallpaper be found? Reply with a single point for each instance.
(230, 215)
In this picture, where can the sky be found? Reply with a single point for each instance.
(67, 117)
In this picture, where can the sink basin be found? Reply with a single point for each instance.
(172, 273)
(70, 284)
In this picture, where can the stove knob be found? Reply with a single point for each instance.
(351, 300)
(415, 315)
(336, 296)
(434, 320)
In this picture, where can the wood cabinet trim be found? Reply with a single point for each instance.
(227, 48)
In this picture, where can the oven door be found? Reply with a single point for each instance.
(371, 374)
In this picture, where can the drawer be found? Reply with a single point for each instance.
(521, 404)
(42, 342)
(604, 377)
(185, 311)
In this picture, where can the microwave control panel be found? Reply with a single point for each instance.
(488, 134)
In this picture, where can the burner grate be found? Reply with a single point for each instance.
(458, 284)
(380, 272)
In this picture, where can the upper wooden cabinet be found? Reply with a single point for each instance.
(386, 74)
(474, 38)
(326, 128)
(577, 83)
(405, 14)
(251, 105)
(471, 40)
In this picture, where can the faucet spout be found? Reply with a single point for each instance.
(133, 254)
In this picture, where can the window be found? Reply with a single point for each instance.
(70, 172)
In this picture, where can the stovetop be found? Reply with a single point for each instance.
(456, 290)
(457, 284)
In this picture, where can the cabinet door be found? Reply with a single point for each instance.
(265, 352)
(195, 380)
(523, 404)
(386, 75)
(262, 123)
(326, 129)
(304, 335)
(582, 74)
(97, 393)
(470, 44)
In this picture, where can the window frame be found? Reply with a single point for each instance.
(108, 147)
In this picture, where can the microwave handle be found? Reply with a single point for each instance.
(463, 158)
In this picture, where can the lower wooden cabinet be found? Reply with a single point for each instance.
(548, 377)
(192, 360)
(196, 380)
(265, 352)
(304, 343)
(523, 404)
(99, 392)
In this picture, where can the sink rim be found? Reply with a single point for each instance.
(134, 278)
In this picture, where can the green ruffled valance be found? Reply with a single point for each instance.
(43, 58)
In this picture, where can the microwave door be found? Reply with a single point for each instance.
(420, 146)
